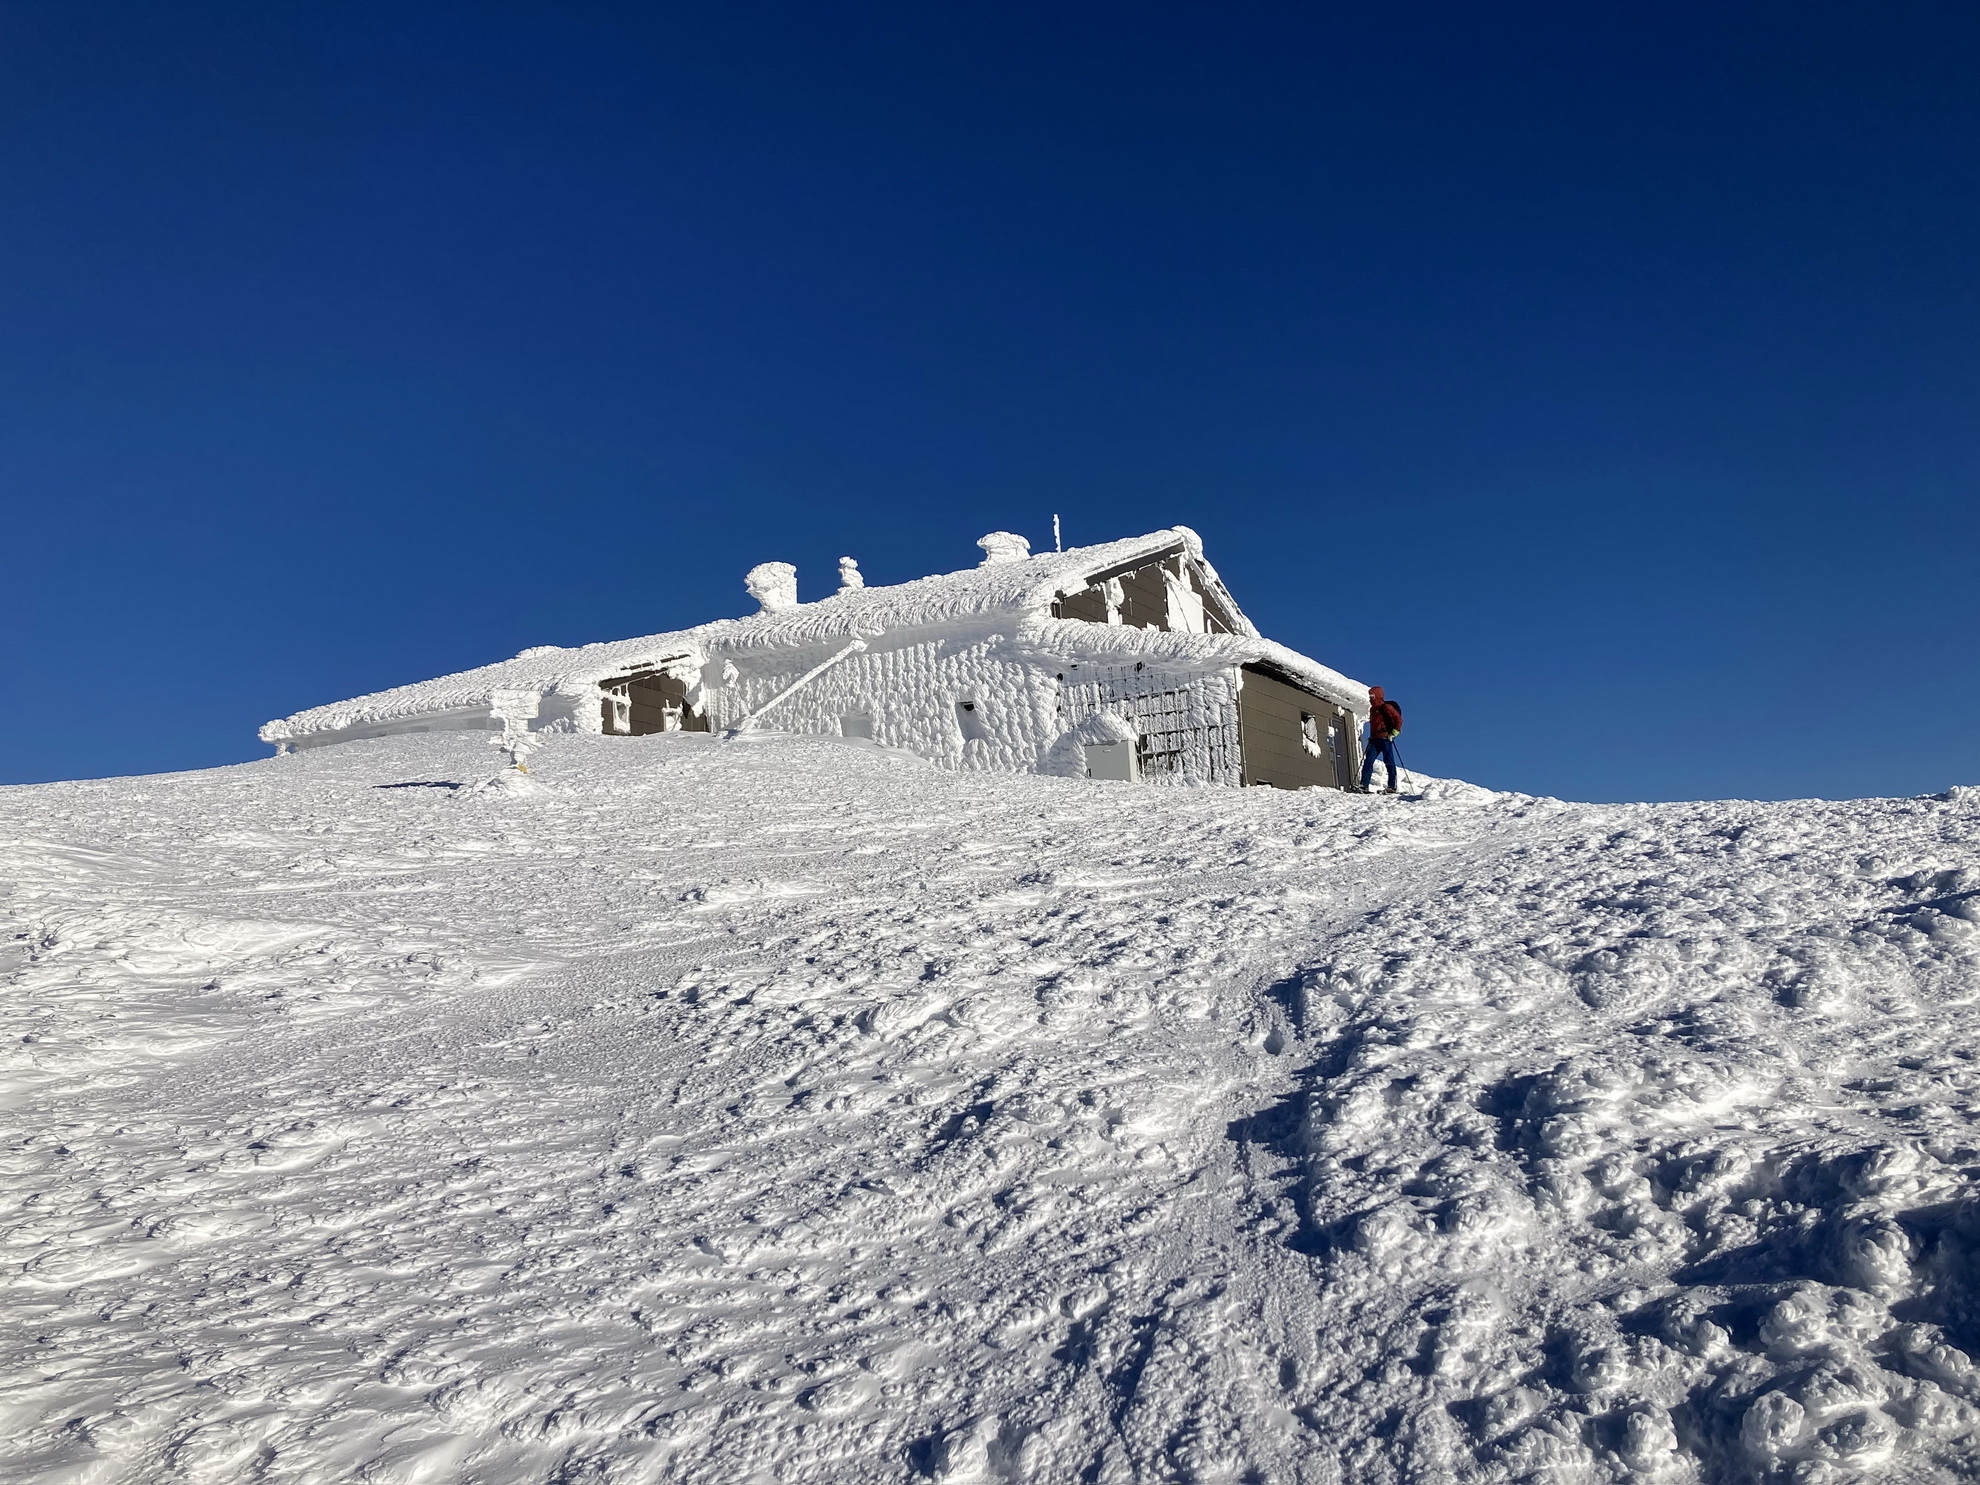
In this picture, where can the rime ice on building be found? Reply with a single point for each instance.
(1128, 660)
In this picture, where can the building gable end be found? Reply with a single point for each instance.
(1171, 590)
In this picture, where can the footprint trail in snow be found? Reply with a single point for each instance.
(791, 1111)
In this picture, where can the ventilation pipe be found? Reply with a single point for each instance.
(1003, 546)
(773, 585)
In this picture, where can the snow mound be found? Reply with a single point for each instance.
(780, 1111)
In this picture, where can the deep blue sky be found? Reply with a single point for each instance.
(1600, 378)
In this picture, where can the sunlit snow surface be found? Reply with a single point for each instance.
(788, 1110)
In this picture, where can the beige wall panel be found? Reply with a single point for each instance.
(1089, 605)
(1269, 729)
(1145, 598)
(651, 695)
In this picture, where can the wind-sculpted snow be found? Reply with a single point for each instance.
(788, 1110)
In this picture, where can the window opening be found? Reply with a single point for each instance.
(969, 717)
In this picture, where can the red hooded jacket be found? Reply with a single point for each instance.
(1384, 716)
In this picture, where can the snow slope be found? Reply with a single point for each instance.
(788, 1110)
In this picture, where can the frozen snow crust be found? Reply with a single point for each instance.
(789, 1110)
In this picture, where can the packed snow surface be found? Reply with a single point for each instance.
(788, 1110)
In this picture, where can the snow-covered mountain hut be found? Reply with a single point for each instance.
(1126, 660)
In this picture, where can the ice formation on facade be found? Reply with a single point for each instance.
(991, 669)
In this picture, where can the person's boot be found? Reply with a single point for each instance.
(1392, 789)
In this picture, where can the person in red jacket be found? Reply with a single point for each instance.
(1384, 722)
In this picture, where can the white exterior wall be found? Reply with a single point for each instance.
(910, 691)
(1025, 705)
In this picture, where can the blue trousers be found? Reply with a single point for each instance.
(1386, 751)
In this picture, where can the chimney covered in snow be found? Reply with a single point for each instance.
(850, 576)
(1003, 546)
(773, 585)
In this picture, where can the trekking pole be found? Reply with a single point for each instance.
(1403, 768)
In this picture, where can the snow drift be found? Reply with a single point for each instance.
(789, 1110)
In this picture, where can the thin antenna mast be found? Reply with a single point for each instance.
(1057, 545)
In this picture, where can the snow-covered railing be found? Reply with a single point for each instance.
(795, 686)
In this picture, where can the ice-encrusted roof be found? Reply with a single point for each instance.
(1022, 589)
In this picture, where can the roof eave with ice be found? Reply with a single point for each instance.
(1066, 642)
(1023, 590)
